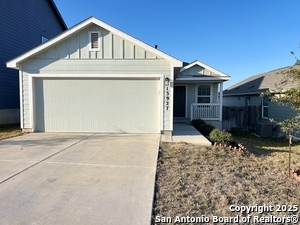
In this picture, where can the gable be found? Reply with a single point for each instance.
(73, 43)
(112, 46)
(197, 70)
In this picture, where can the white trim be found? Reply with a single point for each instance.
(204, 66)
(21, 98)
(31, 87)
(171, 85)
(98, 75)
(14, 63)
(161, 92)
(200, 79)
(221, 101)
(262, 107)
(196, 92)
(186, 97)
(99, 41)
(30, 96)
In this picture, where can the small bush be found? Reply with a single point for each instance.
(220, 136)
(205, 129)
(196, 123)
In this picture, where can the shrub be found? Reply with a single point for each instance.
(220, 136)
(196, 123)
(205, 129)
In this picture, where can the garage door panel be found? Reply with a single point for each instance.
(97, 105)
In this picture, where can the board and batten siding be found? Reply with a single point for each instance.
(72, 56)
(93, 66)
(112, 46)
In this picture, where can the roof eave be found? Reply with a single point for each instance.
(202, 78)
(14, 63)
(201, 64)
(244, 93)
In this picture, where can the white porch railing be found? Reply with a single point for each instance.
(203, 111)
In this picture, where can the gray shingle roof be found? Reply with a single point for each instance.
(259, 83)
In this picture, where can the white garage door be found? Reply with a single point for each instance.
(97, 105)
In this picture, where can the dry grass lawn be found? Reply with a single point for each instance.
(195, 181)
(11, 130)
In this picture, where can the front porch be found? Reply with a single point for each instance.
(206, 112)
(198, 93)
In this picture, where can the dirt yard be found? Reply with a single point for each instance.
(203, 182)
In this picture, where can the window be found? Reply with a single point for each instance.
(265, 107)
(94, 40)
(203, 94)
(44, 39)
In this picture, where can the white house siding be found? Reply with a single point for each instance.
(197, 70)
(72, 56)
(92, 66)
(214, 93)
(112, 47)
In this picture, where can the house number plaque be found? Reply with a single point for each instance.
(167, 97)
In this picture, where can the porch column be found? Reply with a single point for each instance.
(221, 101)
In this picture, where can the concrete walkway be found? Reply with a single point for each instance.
(183, 132)
(66, 178)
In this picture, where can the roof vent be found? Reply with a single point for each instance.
(252, 86)
(155, 46)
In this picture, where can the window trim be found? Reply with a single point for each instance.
(99, 41)
(210, 96)
(263, 107)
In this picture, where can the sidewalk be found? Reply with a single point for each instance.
(183, 132)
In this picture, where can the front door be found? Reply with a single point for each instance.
(179, 101)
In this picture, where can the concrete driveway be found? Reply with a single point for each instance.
(66, 178)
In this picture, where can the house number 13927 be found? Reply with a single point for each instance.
(167, 98)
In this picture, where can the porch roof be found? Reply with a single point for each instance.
(201, 78)
(200, 72)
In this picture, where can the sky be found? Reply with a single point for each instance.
(240, 38)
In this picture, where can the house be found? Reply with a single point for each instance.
(96, 78)
(23, 25)
(196, 93)
(247, 94)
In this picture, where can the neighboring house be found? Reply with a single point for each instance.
(96, 78)
(248, 93)
(23, 25)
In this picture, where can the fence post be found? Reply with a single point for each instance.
(290, 147)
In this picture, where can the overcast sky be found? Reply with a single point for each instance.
(238, 37)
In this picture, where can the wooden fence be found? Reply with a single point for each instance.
(240, 117)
